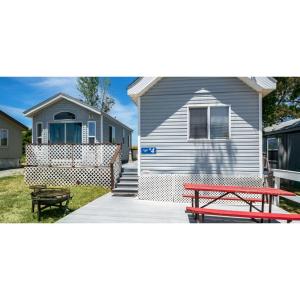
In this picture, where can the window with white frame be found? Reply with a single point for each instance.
(92, 132)
(39, 133)
(209, 122)
(112, 134)
(272, 151)
(3, 137)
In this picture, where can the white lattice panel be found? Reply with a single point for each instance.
(59, 176)
(171, 187)
(156, 187)
(70, 155)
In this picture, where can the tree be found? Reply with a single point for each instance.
(26, 139)
(283, 103)
(95, 92)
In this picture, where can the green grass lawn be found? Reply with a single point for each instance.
(15, 201)
(289, 206)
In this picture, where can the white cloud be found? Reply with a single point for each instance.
(127, 114)
(62, 84)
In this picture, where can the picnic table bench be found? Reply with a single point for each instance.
(44, 197)
(267, 195)
(243, 214)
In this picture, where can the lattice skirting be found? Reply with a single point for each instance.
(59, 176)
(169, 187)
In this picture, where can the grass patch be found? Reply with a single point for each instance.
(290, 206)
(15, 201)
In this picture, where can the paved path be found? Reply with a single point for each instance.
(11, 172)
(116, 209)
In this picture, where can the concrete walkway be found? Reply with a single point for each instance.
(113, 209)
(11, 172)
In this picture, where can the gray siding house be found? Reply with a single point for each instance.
(282, 145)
(198, 129)
(10, 141)
(63, 119)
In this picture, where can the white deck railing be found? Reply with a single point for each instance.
(285, 174)
(67, 155)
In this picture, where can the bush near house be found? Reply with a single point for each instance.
(15, 201)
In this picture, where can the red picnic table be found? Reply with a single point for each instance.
(265, 192)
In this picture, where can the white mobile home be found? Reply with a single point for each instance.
(198, 129)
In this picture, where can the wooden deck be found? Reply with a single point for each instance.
(112, 209)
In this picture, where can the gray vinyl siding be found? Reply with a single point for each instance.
(163, 113)
(14, 148)
(119, 136)
(83, 115)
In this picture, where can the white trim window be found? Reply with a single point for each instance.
(208, 122)
(272, 151)
(39, 133)
(112, 134)
(3, 137)
(91, 132)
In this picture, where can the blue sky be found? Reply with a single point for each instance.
(20, 93)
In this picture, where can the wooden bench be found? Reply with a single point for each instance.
(206, 197)
(243, 214)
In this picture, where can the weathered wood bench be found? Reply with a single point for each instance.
(243, 214)
(44, 197)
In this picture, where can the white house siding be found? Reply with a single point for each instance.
(163, 111)
(46, 116)
(164, 125)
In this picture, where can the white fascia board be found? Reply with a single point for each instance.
(141, 87)
(263, 85)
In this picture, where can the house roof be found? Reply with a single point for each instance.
(291, 125)
(140, 86)
(8, 117)
(60, 96)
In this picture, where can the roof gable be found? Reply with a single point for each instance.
(140, 86)
(12, 120)
(61, 96)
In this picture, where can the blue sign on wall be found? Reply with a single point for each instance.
(148, 150)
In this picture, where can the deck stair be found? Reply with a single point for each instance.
(128, 182)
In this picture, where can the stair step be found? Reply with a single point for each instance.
(125, 190)
(129, 178)
(129, 174)
(129, 170)
(127, 184)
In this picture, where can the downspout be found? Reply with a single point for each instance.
(139, 136)
(261, 167)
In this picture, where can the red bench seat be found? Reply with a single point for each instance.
(225, 198)
(243, 214)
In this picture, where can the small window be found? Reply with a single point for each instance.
(39, 130)
(211, 122)
(198, 123)
(92, 132)
(219, 122)
(3, 137)
(112, 134)
(272, 152)
(64, 116)
(123, 136)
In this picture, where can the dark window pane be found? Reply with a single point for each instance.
(64, 116)
(74, 133)
(272, 144)
(198, 123)
(39, 130)
(3, 137)
(57, 133)
(39, 140)
(92, 129)
(110, 134)
(91, 140)
(219, 122)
